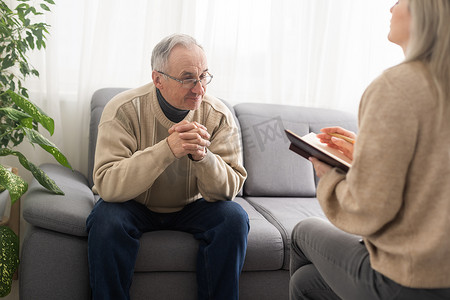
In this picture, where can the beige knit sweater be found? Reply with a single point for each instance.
(397, 192)
(133, 159)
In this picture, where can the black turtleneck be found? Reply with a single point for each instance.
(172, 113)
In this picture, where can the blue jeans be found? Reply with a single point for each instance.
(115, 229)
(329, 264)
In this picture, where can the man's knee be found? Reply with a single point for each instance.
(105, 219)
(237, 217)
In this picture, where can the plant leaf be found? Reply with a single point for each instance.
(36, 138)
(57, 155)
(30, 40)
(9, 258)
(7, 62)
(5, 152)
(44, 180)
(13, 183)
(34, 111)
(17, 115)
(45, 7)
(40, 175)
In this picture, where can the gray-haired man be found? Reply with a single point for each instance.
(164, 162)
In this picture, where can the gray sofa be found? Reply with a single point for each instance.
(279, 192)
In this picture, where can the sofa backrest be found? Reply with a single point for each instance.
(273, 169)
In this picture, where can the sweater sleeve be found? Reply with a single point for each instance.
(221, 174)
(370, 195)
(121, 172)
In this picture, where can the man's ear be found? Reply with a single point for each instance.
(156, 77)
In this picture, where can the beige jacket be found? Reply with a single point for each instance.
(397, 192)
(133, 159)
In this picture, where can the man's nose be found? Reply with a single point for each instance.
(198, 88)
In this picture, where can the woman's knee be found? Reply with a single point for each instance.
(306, 227)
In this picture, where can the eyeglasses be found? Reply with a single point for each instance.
(205, 79)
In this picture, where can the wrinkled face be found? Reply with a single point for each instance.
(400, 24)
(184, 63)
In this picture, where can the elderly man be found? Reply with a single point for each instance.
(168, 158)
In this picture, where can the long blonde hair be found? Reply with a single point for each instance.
(430, 40)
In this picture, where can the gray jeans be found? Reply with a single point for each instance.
(327, 263)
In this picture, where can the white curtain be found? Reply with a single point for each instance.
(320, 53)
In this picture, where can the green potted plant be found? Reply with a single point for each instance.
(20, 119)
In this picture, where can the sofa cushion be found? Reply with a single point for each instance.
(285, 213)
(265, 249)
(274, 170)
(66, 214)
(177, 251)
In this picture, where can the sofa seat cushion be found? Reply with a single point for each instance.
(177, 251)
(66, 214)
(285, 213)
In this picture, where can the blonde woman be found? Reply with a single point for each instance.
(396, 196)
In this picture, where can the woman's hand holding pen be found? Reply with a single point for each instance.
(335, 137)
(339, 138)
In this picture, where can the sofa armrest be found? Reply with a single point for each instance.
(66, 214)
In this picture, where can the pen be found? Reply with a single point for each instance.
(346, 138)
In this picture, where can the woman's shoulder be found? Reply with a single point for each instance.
(407, 73)
(405, 78)
(405, 86)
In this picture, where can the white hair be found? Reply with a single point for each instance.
(161, 52)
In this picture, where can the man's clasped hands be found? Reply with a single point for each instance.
(189, 138)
